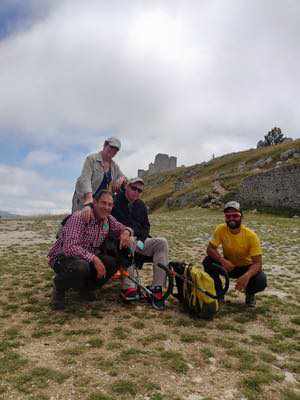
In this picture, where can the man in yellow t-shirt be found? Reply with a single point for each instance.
(242, 254)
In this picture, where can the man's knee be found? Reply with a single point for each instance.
(71, 272)
(258, 283)
(261, 280)
(162, 244)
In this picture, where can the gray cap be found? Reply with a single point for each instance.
(232, 204)
(114, 142)
(136, 180)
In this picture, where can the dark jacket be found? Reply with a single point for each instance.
(134, 215)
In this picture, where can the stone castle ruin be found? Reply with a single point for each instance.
(161, 163)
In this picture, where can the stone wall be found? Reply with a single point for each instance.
(278, 188)
(161, 163)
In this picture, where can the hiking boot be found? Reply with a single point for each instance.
(87, 295)
(157, 299)
(130, 294)
(250, 300)
(58, 299)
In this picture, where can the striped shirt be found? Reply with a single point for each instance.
(82, 239)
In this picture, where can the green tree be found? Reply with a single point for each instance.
(273, 137)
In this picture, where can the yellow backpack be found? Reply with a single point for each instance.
(196, 290)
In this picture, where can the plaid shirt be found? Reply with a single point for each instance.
(81, 239)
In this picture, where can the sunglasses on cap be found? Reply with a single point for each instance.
(234, 215)
(136, 189)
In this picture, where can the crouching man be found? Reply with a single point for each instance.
(78, 257)
(242, 254)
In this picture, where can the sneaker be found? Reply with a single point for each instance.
(157, 299)
(87, 295)
(58, 299)
(130, 294)
(250, 300)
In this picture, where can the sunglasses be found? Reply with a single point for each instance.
(235, 215)
(136, 189)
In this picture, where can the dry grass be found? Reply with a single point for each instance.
(200, 177)
(109, 350)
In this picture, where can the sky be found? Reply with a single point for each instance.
(188, 78)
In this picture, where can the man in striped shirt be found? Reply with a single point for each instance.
(77, 256)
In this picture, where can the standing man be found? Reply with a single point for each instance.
(242, 254)
(99, 170)
(78, 257)
(131, 211)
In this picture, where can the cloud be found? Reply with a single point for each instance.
(26, 192)
(190, 79)
(41, 157)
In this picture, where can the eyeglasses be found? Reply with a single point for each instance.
(233, 215)
(136, 189)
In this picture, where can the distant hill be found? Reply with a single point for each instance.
(210, 184)
(5, 214)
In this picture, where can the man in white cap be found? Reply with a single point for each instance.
(242, 254)
(99, 170)
(131, 211)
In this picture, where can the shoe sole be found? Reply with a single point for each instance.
(128, 300)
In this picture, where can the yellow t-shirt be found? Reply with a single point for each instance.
(237, 248)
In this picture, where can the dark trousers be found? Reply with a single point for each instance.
(256, 284)
(76, 273)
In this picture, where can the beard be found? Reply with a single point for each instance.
(234, 224)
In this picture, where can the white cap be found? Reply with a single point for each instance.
(114, 142)
(136, 180)
(232, 204)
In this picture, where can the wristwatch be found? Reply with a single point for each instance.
(89, 205)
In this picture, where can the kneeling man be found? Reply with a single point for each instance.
(242, 254)
(77, 257)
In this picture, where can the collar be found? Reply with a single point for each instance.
(101, 221)
(99, 157)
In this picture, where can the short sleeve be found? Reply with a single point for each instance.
(255, 246)
(216, 238)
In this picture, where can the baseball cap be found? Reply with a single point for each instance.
(136, 180)
(114, 142)
(232, 204)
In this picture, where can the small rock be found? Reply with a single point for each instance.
(195, 397)
(197, 379)
(287, 154)
(289, 378)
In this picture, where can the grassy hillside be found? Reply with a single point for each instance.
(199, 178)
(107, 350)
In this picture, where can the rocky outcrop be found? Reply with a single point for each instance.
(278, 188)
(288, 154)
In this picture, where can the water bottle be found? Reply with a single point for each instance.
(140, 245)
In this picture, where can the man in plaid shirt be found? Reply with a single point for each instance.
(77, 256)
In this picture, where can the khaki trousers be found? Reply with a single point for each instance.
(158, 249)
